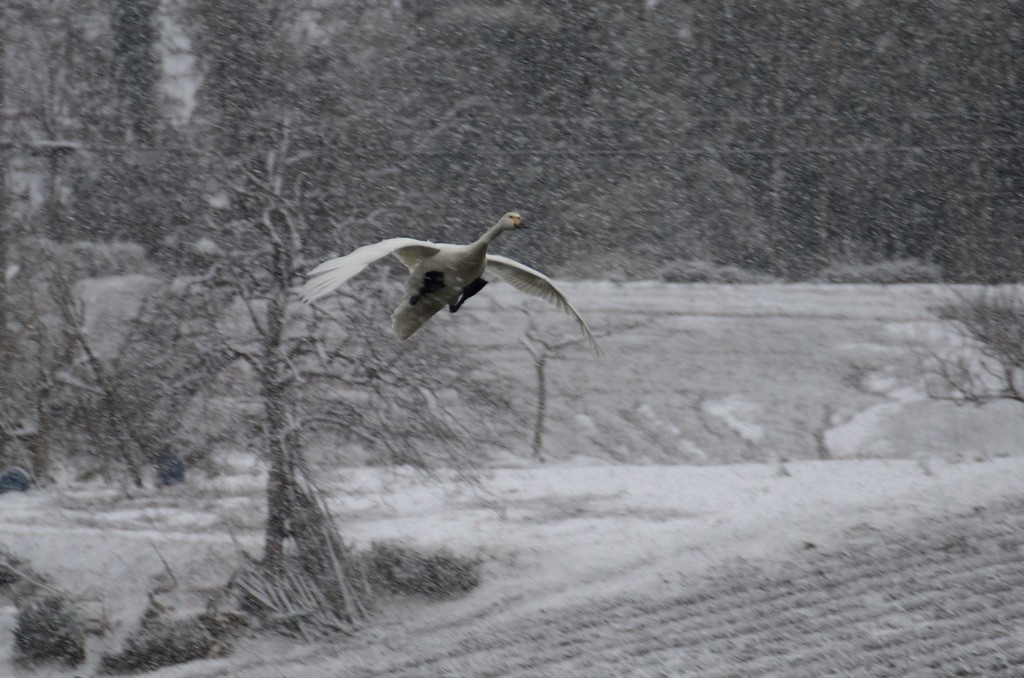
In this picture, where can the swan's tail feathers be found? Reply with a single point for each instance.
(408, 318)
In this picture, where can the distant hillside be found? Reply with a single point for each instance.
(712, 373)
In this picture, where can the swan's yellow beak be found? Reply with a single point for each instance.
(517, 221)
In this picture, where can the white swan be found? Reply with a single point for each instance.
(441, 275)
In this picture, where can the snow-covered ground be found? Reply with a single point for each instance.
(551, 538)
(813, 391)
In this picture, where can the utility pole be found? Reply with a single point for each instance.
(6, 347)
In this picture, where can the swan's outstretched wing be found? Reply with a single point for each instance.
(533, 282)
(331, 274)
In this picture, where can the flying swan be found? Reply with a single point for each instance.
(441, 275)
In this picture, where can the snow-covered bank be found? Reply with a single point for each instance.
(550, 537)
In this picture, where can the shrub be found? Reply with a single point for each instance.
(989, 364)
(11, 568)
(895, 272)
(48, 629)
(696, 271)
(159, 643)
(400, 569)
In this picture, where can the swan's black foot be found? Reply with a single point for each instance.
(468, 291)
(432, 282)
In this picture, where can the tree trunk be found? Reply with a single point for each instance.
(6, 349)
(278, 480)
(41, 441)
(542, 405)
(823, 216)
(281, 478)
(136, 67)
(998, 266)
(776, 238)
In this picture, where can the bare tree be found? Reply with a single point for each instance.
(988, 364)
(262, 278)
(541, 350)
(309, 366)
(265, 252)
(117, 430)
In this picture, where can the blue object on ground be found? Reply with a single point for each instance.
(170, 470)
(14, 480)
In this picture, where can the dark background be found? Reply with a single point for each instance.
(780, 136)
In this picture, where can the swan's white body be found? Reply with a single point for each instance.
(454, 267)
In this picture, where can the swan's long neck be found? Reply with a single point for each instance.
(489, 236)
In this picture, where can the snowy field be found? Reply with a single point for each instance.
(751, 482)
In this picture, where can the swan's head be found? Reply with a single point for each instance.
(511, 221)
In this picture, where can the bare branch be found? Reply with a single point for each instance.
(257, 324)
